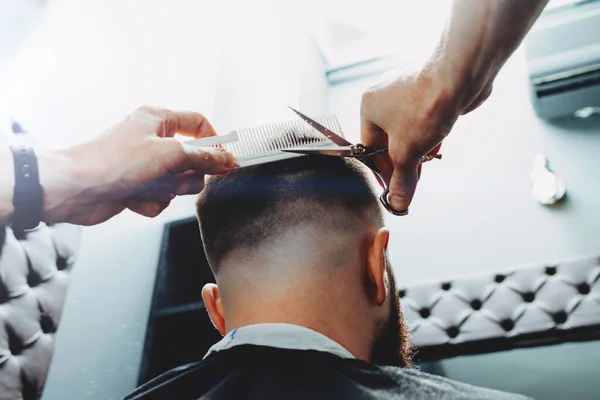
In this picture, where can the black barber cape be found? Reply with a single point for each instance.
(260, 372)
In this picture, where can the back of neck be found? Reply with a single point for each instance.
(336, 319)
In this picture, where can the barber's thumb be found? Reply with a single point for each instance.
(402, 187)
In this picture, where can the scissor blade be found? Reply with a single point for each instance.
(341, 152)
(340, 141)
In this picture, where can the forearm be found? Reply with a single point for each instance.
(58, 178)
(65, 180)
(136, 164)
(478, 39)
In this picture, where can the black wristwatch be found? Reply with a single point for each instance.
(28, 197)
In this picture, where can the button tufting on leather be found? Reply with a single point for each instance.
(560, 317)
(551, 270)
(507, 324)
(452, 331)
(402, 293)
(583, 288)
(30, 282)
(14, 346)
(476, 304)
(47, 324)
(61, 263)
(511, 312)
(528, 297)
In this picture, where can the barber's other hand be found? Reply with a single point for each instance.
(136, 164)
(411, 113)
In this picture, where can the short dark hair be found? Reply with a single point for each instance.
(249, 205)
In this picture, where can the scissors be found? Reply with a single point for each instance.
(358, 151)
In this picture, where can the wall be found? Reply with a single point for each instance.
(84, 66)
(15, 20)
(473, 212)
(88, 64)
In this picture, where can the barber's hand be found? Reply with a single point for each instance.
(411, 113)
(136, 164)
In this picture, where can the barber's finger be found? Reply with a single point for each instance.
(371, 134)
(161, 191)
(147, 208)
(384, 165)
(186, 188)
(207, 161)
(188, 123)
(403, 185)
(163, 196)
(187, 175)
(191, 183)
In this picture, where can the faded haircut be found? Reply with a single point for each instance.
(244, 208)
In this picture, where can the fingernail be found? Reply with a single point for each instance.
(398, 202)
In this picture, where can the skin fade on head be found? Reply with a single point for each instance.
(282, 237)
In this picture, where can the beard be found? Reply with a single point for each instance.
(393, 346)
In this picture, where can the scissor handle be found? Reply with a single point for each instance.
(386, 190)
(386, 204)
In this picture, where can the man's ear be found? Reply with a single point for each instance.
(214, 306)
(377, 277)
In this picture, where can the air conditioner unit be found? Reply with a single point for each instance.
(563, 60)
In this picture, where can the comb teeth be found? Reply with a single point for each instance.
(263, 143)
(260, 140)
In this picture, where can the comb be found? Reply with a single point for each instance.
(263, 144)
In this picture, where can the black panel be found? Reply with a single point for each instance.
(179, 330)
(183, 269)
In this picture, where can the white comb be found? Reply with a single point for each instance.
(262, 144)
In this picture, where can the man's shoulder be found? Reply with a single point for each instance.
(257, 372)
(168, 382)
(428, 386)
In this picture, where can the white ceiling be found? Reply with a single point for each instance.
(348, 32)
(16, 18)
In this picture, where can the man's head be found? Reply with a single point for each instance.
(302, 241)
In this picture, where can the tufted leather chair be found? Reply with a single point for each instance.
(34, 271)
(525, 307)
